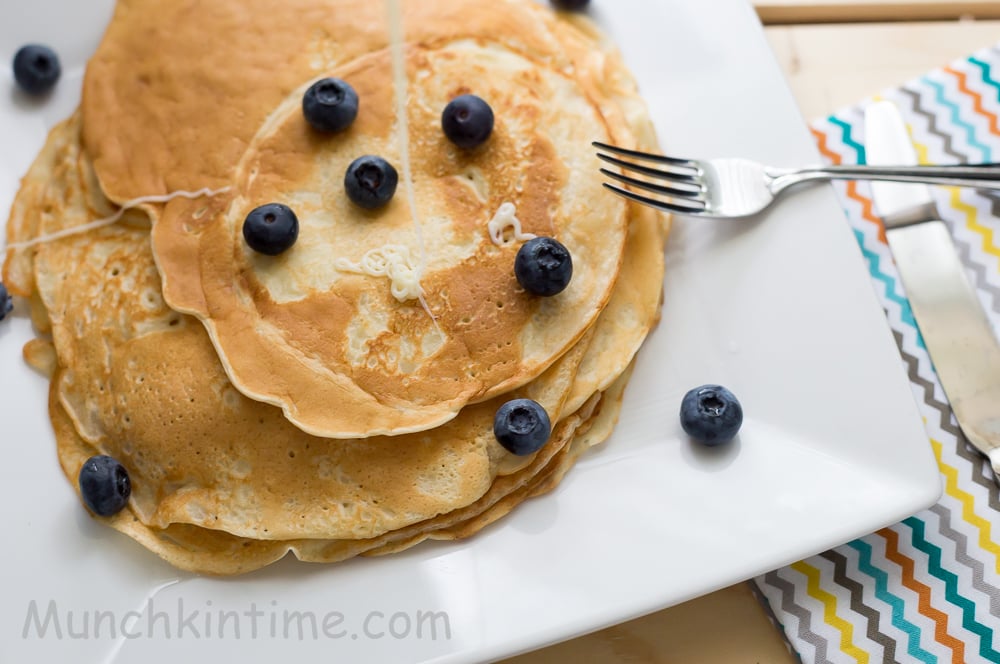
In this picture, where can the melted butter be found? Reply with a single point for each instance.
(505, 219)
(392, 261)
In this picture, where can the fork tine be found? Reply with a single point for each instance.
(657, 188)
(645, 155)
(646, 170)
(652, 202)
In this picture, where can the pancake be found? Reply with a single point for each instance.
(224, 483)
(216, 552)
(142, 383)
(301, 331)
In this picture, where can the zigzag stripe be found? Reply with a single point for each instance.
(765, 605)
(962, 447)
(962, 550)
(908, 579)
(829, 603)
(988, 245)
(846, 138)
(875, 269)
(804, 616)
(896, 604)
(951, 594)
(977, 99)
(932, 125)
(969, 516)
(858, 605)
(956, 118)
(986, 73)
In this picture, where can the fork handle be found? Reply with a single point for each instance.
(980, 176)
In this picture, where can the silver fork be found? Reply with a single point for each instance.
(732, 187)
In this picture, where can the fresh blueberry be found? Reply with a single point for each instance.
(543, 266)
(271, 229)
(711, 414)
(36, 68)
(467, 121)
(370, 182)
(330, 104)
(104, 485)
(570, 5)
(6, 302)
(522, 426)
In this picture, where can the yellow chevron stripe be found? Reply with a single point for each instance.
(972, 222)
(970, 212)
(968, 506)
(830, 611)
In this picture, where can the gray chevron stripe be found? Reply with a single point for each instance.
(962, 554)
(932, 125)
(858, 605)
(982, 473)
(789, 606)
(978, 269)
(758, 593)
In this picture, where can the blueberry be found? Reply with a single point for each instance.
(6, 302)
(370, 182)
(543, 266)
(104, 485)
(522, 426)
(467, 121)
(570, 5)
(330, 104)
(36, 68)
(711, 414)
(271, 229)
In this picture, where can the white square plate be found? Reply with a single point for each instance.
(779, 309)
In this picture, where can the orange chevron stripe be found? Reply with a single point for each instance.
(867, 209)
(977, 99)
(940, 619)
(824, 147)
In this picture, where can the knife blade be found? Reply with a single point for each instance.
(954, 327)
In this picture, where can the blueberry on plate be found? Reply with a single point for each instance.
(271, 229)
(467, 121)
(570, 5)
(104, 485)
(522, 426)
(711, 414)
(543, 266)
(330, 104)
(370, 182)
(36, 68)
(6, 302)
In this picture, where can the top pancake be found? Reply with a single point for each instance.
(166, 110)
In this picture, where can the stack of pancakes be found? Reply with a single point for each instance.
(271, 404)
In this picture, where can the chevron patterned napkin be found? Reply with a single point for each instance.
(926, 589)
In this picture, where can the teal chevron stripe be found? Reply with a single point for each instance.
(899, 620)
(951, 593)
(845, 136)
(987, 73)
(956, 118)
(875, 269)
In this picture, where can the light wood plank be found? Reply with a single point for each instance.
(725, 627)
(773, 12)
(832, 66)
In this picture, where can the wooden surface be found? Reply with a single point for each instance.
(853, 11)
(827, 66)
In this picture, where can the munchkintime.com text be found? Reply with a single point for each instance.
(178, 619)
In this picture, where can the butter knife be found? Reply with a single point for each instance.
(955, 329)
